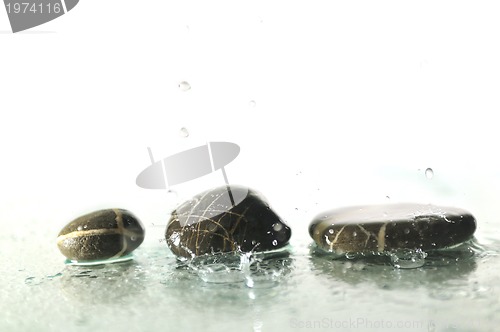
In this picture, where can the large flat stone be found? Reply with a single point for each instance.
(380, 228)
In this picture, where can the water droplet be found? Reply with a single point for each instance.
(29, 280)
(350, 255)
(354, 234)
(184, 86)
(330, 231)
(54, 276)
(429, 173)
(277, 227)
(252, 103)
(133, 238)
(387, 197)
(275, 243)
(79, 228)
(184, 132)
(407, 231)
(175, 238)
(250, 283)
(408, 259)
(172, 193)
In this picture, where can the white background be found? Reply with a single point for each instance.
(353, 101)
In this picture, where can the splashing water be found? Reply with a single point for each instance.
(408, 259)
(222, 268)
(255, 269)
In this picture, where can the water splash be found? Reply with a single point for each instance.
(408, 259)
(254, 269)
(222, 268)
(429, 173)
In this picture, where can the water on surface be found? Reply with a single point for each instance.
(454, 290)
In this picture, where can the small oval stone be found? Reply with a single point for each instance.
(381, 228)
(225, 219)
(102, 234)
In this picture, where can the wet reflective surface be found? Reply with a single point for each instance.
(295, 289)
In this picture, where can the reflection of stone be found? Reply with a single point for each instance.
(210, 222)
(110, 283)
(440, 266)
(382, 228)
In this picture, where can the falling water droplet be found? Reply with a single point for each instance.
(184, 86)
(275, 243)
(79, 228)
(429, 173)
(252, 103)
(184, 132)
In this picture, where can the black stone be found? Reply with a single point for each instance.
(101, 235)
(210, 223)
(381, 228)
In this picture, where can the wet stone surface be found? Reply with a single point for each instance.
(101, 235)
(385, 228)
(222, 220)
